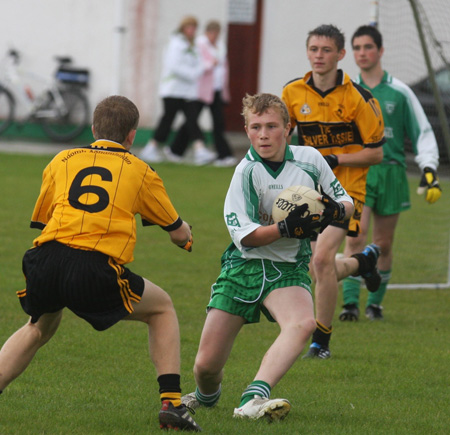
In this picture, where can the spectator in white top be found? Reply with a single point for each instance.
(182, 68)
(213, 91)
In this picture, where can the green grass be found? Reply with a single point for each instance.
(389, 377)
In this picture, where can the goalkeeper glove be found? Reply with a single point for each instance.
(332, 160)
(297, 227)
(334, 211)
(430, 183)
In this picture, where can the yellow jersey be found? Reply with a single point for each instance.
(89, 198)
(344, 119)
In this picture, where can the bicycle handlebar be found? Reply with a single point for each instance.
(62, 60)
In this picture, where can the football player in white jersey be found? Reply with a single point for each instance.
(265, 268)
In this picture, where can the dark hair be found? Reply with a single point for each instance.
(261, 103)
(114, 118)
(371, 31)
(328, 31)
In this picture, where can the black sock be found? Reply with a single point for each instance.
(169, 383)
(322, 335)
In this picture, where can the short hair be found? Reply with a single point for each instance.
(213, 26)
(371, 31)
(114, 118)
(187, 21)
(260, 103)
(328, 31)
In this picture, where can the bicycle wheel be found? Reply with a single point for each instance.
(7, 107)
(66, 126)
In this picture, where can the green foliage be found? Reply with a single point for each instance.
(384, 377)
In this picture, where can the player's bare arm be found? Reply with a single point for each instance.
(181, 236)
(263, 235)
(365, 157)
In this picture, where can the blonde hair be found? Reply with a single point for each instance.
(186, 21)
(261, 103)
(213, 26)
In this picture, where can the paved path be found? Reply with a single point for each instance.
(239, 143)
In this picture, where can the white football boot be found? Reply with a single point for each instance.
(272, 409)
(190, 401)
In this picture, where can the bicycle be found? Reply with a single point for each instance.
(61, 108)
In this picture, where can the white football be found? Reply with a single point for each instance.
(294, 196)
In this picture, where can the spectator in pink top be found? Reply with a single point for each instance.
(213, 91)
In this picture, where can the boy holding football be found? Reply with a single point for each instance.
(265, 268)
(86, 211)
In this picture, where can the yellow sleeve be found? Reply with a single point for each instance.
(285, 98)
(370, 123)
(156, 206)
(44, 206)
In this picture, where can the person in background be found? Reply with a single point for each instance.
(387, 190)
(343, 121)
(86, 213)
(213, 92)
(182, 68)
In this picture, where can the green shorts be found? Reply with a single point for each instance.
(241, 290)
(387, 189)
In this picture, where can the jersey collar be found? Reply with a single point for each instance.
(254, 156)
(387, 78)
(108, 145)
(341, 79)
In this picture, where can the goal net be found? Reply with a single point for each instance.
(404, 56)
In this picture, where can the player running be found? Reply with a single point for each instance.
(86, 210)
(265, 268)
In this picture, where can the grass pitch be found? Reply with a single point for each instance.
(388, 377)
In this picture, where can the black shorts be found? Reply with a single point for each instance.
(89, 283)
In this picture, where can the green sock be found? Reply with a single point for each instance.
(351, 287)
(256, 388)
(377, 297)
(208, 400)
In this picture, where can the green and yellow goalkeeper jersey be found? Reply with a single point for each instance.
(89, 198)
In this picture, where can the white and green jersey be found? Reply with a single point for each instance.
(404, 115)
(252, 192)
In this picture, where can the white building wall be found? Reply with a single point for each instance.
(123, 50)
(285, 28)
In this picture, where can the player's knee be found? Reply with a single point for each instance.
(321, 262)
(203, 369)
(44, 329)
(305, 326)
(309, 325)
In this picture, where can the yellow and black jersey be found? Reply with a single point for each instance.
(89, 198)
(345, 119)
